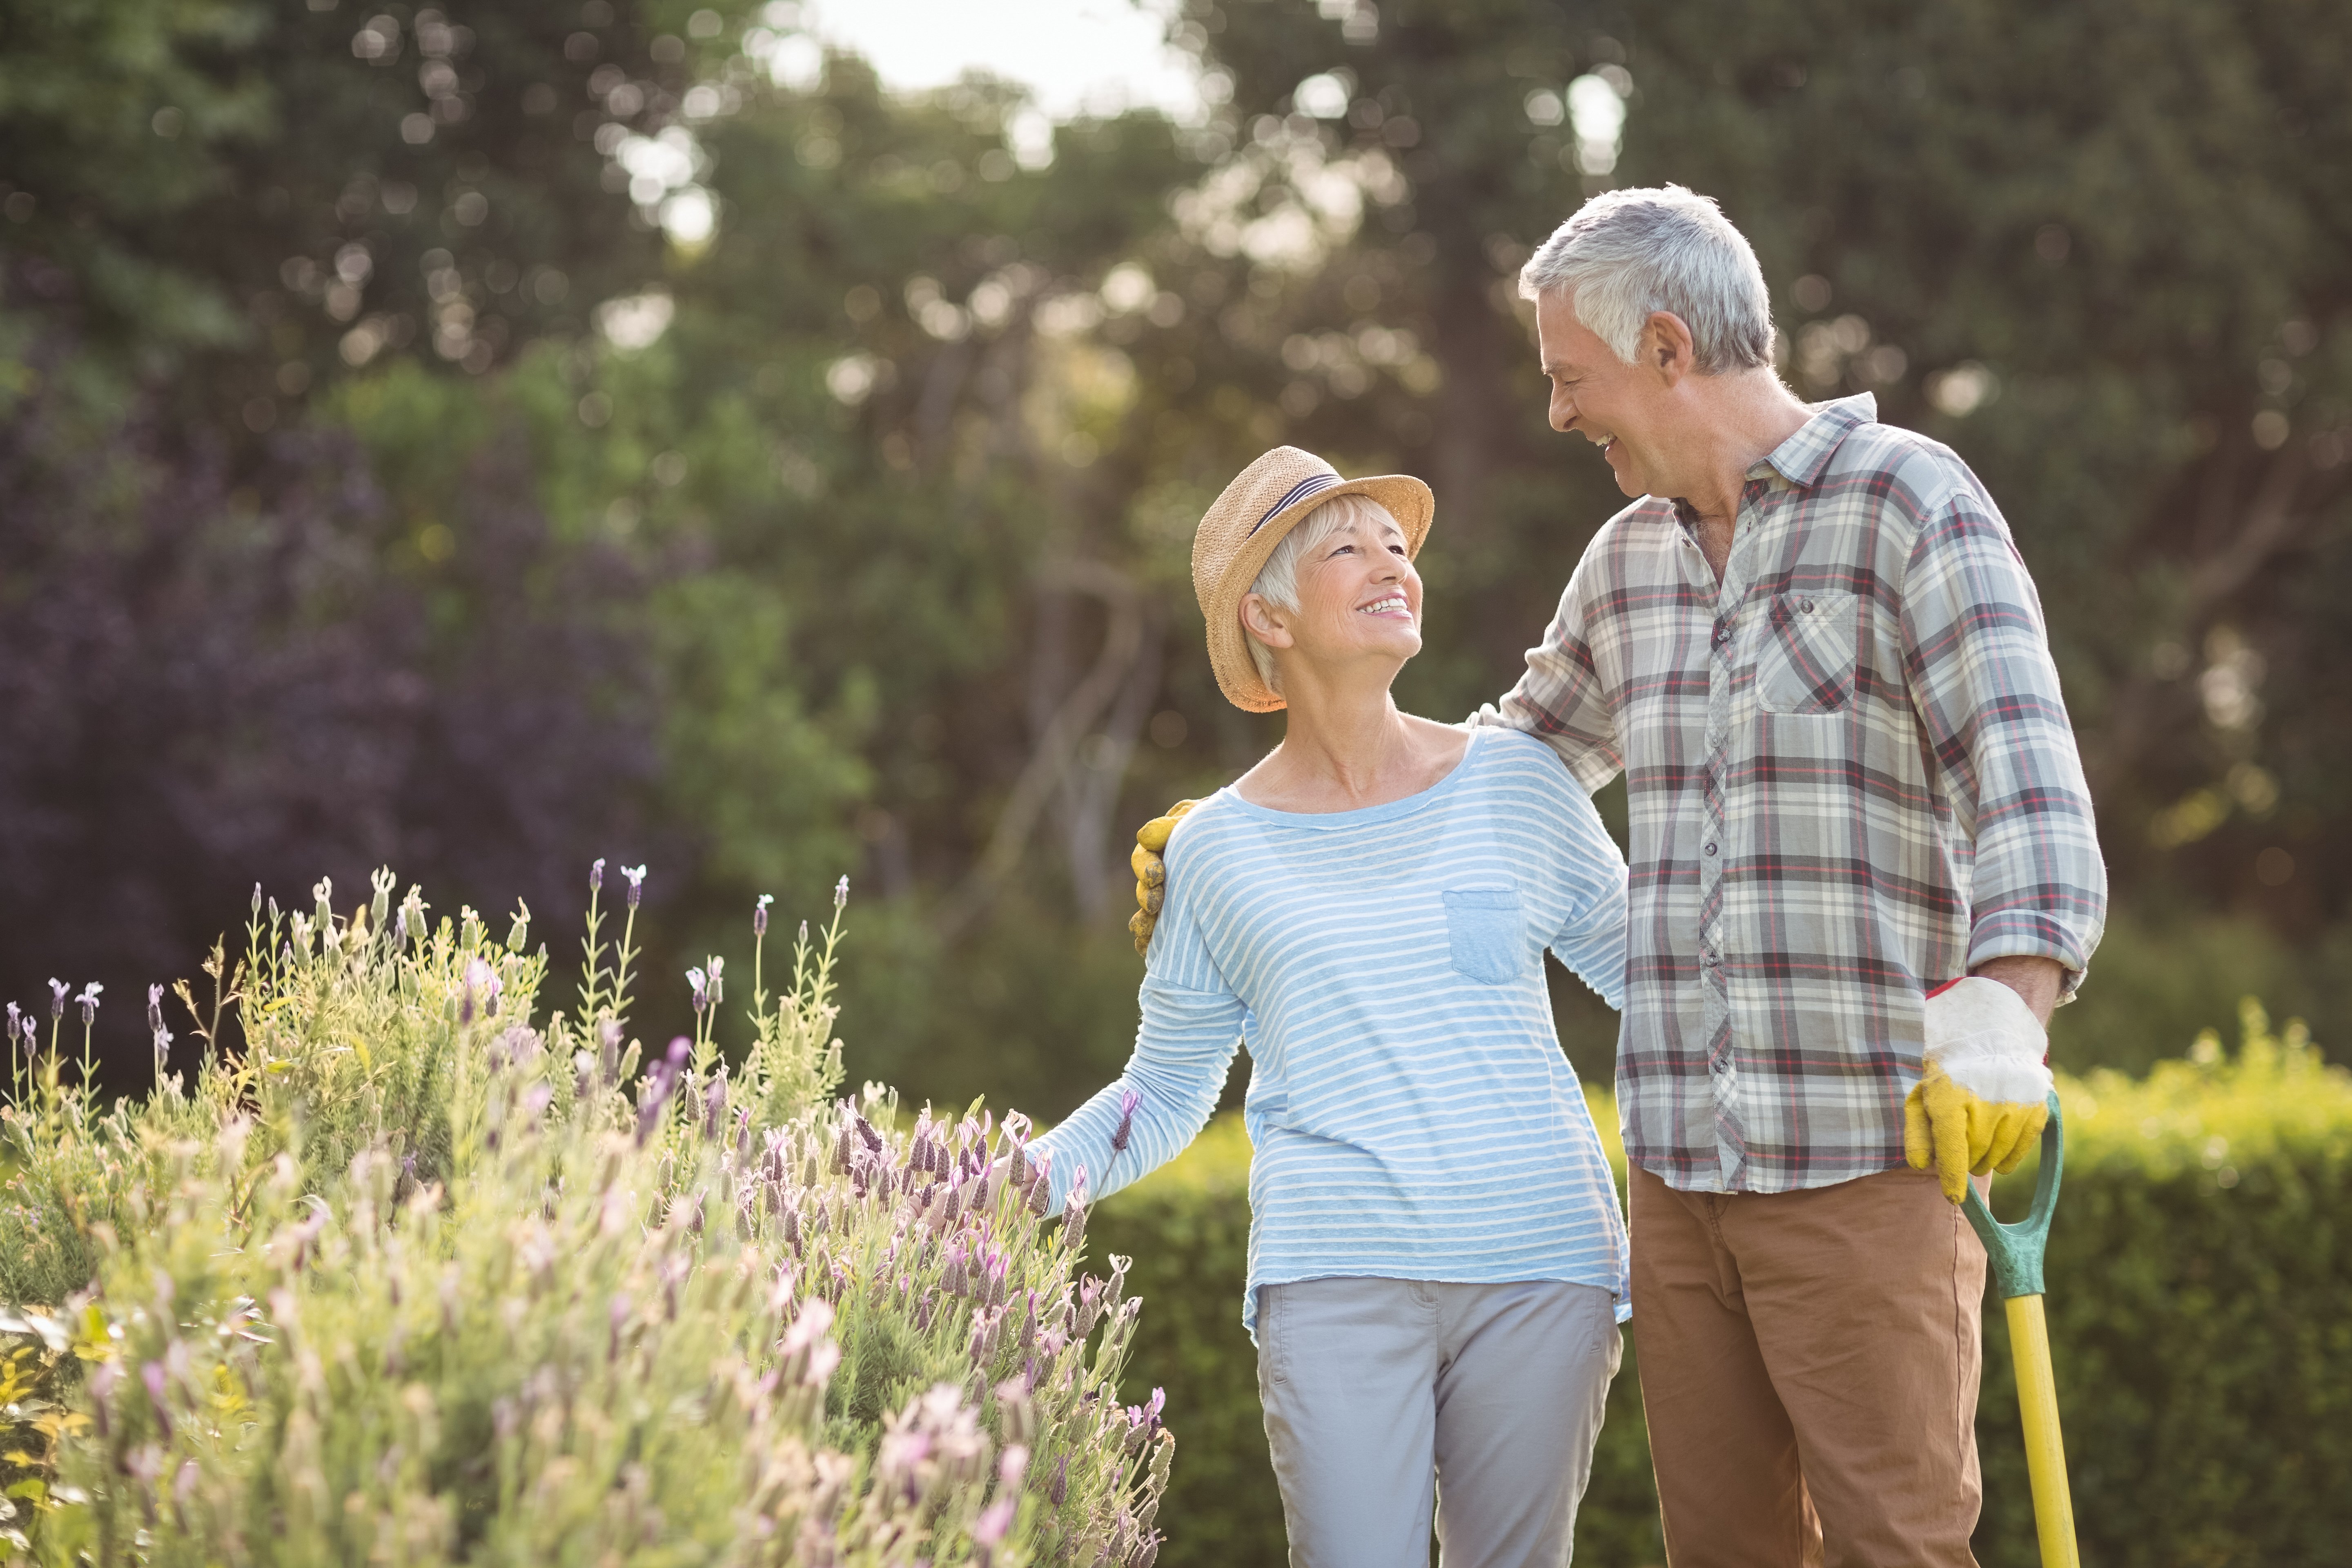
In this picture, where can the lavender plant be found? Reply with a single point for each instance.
(411, 1278)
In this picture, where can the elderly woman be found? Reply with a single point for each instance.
(1437, 1266)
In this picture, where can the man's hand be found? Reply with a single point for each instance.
(1151, 872)
(1983, 1098)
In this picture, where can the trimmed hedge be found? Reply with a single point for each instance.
(2198, 1271)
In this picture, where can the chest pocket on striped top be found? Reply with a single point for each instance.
(1806, 665)
(1482, 927)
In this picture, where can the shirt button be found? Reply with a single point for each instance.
(1806, 605)
(1711, 848)
(1722, 635)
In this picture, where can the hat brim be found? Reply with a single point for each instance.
(1407, 499)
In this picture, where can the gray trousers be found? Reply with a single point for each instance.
(1375, 1387)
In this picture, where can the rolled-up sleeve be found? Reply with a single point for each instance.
(1982, 681)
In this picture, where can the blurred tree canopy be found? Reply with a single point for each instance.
(486, 437)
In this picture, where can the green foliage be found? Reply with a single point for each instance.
(408, 1276)
(2196, 1274)
(2195, 1270)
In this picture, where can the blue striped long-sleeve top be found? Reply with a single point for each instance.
(1410, 1113)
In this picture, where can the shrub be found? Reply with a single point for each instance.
(2198, 1271)
(2198, 1267)
(409, 1277)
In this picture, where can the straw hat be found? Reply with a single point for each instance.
(1264, 503)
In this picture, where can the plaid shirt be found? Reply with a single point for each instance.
(1850, 777)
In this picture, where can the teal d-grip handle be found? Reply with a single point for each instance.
(2015, 1250)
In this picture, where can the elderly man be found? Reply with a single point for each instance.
(1811, 646)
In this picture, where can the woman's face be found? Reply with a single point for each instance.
(1359, 597)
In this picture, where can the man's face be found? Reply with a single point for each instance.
(1615, 405)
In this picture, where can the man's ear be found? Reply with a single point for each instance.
(1667, 346)
(1258, 618)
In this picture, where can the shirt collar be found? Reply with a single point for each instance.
(1800, 458)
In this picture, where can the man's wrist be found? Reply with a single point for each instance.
(2036, 979)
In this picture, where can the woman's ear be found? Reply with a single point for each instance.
(1261, 620)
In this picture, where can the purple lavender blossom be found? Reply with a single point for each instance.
(151, 1375)
(994, 1521)
(714, 1105)
(660, 1084)
(57, 989)
(696, 978)
(759, 914)
(596, 875)
(636, 876)
(841, 892)
(88, 1000)
(155, 1009)
(1128, 1102)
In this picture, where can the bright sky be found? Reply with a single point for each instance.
(1075, 53)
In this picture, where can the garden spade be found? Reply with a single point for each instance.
(2015, 1252)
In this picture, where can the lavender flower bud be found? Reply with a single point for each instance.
(636, 876)
(759, 914)
(1128, 1102)
(155, 1009)
(701, 990)
(717, 981)
(15, 1017)
(57, 989)
(151, 1375)
(660, 1085)
(841, 893)
(596, 875)
(256, 899)
(714, 1105)
(88, 1000)
(1059, 1492)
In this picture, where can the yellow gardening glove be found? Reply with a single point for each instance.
(1983, 1097)
(1151, 871)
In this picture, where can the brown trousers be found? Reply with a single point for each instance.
(1810, 1363)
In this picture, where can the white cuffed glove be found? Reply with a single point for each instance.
(1984, 1095)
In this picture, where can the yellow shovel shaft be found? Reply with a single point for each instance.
(2045, 1451)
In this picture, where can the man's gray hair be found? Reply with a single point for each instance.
(1278, 580)
(1626, 254)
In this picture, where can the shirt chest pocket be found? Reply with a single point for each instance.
(1806, 665)
(1483, 929)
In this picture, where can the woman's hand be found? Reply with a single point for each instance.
(1151, 872)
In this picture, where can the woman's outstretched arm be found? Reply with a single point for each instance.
(1143, 1118)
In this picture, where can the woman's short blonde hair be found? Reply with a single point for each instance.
(1277, 581)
